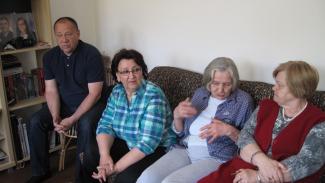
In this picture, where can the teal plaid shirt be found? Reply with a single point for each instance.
(144, 123)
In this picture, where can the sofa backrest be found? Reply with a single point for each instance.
(179, 83)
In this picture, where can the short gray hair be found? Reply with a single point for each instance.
(221, 64)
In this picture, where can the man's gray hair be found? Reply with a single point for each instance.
(221, 64)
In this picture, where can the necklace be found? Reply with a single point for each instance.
(294, 116)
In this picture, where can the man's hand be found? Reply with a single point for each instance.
(66, 123)
(56, 123)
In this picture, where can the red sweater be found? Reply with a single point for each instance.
(294, 134)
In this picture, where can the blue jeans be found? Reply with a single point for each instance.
(41, 123)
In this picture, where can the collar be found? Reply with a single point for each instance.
(62, 54)
(142, 88)
(231, 97)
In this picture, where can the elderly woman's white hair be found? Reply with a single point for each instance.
(221, 64)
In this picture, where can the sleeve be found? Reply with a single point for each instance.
(247, 108)
(152, 124)
(48, 72)
(105, 122)
(95, 67)
(311, 156)
(246, 134)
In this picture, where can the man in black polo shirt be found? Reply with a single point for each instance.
(74, 79)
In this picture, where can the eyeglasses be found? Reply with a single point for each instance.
(133, 71)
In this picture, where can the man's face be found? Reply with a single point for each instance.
(67, 36)
(4, 25)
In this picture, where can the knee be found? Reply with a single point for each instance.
(34, 122)
(149, 176)
(84, 126)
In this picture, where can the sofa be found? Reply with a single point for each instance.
(179, 83)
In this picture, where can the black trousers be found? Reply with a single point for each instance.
(41, 123)
(118, 150)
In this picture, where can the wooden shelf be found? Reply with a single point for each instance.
(30, 58)
(39, 46)
(27, 103)
(5, 164)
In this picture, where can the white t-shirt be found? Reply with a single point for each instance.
(197, 147)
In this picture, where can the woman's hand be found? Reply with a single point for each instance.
(270, 170)
(105, 168)
(245, 176)
(216, 129)
(184, 110)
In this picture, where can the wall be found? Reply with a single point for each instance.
(257, 34)
(83, 11)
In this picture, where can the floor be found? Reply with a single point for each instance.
(21, 175)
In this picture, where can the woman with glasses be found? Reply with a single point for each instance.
(135, 128)
(209, 125)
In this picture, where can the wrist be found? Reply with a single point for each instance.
(117, 168)
(233, 134)
(254, 155)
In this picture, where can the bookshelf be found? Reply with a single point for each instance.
(27, 103)
(30, 58)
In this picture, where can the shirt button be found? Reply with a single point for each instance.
(68, 65)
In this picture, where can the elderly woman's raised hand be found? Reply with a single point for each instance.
(184, 110)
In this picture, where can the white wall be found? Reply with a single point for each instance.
(83, 11)
(257, 34)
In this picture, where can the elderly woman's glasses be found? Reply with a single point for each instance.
(133, 71)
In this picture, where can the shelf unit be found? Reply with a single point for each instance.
(30, 58)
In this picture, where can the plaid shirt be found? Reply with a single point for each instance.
(144, 123)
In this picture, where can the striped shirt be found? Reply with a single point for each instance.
(144, 122)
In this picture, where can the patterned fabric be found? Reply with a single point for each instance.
(176, 83)
(302, 164)
(144, 123)
(179, 83)
(107, 68)
(234, 111)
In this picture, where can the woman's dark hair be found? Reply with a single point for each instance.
(128, 54)
(26, 25)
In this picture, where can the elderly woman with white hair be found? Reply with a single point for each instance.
(208, 126)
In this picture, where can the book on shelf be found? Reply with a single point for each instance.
(21, 86)
(12, 71)
(26, 139)
(15, 135)
(39, 74)
(23, 140)
(3, 155)
(20, 137)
